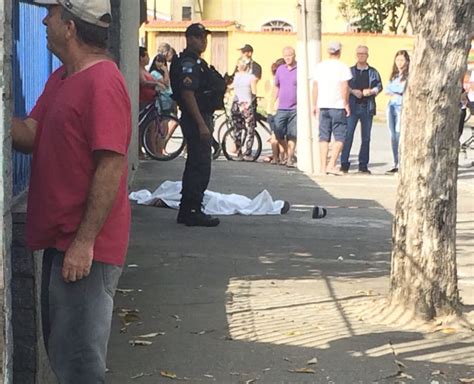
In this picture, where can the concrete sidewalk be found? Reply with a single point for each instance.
(257, 299)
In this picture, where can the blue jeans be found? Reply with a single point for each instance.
(393, 120)
(76, 319)
(359, 113)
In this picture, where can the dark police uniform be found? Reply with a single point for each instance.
(189, 72)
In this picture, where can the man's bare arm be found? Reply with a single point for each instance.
(23, 134)
(345, 96)
(110, 167)
(315, 97)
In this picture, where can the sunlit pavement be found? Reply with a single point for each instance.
(279, 299)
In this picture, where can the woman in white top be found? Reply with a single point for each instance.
(243, 113)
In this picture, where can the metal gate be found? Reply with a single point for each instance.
(32, 64)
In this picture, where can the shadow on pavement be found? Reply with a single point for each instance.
(258, 297)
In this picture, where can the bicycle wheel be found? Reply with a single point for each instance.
(266, 127)
(231, 147)
(223, 128)
(163, 138)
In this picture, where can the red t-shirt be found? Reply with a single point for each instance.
(147, 94)
(82, 113)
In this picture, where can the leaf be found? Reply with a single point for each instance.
(250, 381)
(140, 342)
(302, 370)
(128, 310)
(176, 317)
(129, 318)
(151, 335)
(293, 333)
(169, 375)
(403, 375)
(203, 332)
(312, 361)
(400, 364)
(437, 372)
(447, 330)
(209, 376)
(124, 291)
(467, 380)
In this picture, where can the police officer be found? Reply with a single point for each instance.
(191, 88)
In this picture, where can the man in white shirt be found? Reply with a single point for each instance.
(331, 105)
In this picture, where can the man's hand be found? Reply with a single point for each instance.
(77, 261)
(367, 92)
(357, 93)
(348, 110)
(204, 133)
(315, 111)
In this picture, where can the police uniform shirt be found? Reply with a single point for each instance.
(190, 74)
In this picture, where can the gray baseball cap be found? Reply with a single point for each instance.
(334, 46)
(90, 11)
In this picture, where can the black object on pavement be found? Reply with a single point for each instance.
(319, 212)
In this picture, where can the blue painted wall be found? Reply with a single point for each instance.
(32, 65)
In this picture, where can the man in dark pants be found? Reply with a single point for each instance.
(191, 86)
(364, 86)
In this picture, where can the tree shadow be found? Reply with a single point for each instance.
(267, 292)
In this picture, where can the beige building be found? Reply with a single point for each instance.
(249, 15)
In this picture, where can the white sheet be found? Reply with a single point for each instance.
(214, 203)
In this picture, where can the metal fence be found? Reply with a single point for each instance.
(32, 64)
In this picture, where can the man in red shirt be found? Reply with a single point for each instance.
(78, 209)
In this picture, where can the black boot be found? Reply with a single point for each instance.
(196, 218)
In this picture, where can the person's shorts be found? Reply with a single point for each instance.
(285, 124)
(271, 121)
(332, 121)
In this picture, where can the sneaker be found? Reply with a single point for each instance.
(199, 219)
(392, 171)
(365, 171)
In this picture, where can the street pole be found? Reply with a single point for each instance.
(309, 54)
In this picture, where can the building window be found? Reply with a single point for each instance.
(277, 25)
(186, 13)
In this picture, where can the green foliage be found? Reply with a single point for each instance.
(372, 15)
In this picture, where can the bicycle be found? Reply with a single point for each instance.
(231, 145)
(227, 136)
(160, 134)
(260, 119)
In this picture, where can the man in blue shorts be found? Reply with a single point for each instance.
(331, 104)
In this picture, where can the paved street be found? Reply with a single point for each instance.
(279, 299)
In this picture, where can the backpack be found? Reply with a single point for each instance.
(217, 88)
(175, 68)
(211, 97)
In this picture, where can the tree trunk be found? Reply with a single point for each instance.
(423, 275)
